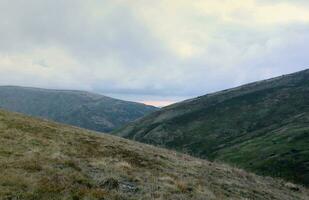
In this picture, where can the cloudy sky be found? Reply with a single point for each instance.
(156, 52)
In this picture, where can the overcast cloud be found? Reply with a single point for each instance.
(163, 50)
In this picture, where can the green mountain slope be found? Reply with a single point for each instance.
(78, 108)
(44, 160)
(262, 127)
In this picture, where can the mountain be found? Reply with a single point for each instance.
(262, 127)
(78, 108)
(45, 160)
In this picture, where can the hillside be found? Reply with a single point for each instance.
(262, 127)
(45, 160)
(78, 108)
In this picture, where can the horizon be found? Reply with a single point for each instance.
(157, 53)
(155, 103)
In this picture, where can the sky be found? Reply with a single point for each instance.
(157, 52)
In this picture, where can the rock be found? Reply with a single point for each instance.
(292, 186)
(110, 184)
(128, 187)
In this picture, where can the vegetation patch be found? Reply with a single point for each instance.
(53, 161)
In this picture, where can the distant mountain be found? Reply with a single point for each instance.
(78, 108)
(45, 160)
(262, 127)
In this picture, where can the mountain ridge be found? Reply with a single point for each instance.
(234, 126)
(75, 107)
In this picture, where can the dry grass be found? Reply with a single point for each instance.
(44, 160)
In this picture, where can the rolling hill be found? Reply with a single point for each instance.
(262, 127)
(45, 160)
(78, 108)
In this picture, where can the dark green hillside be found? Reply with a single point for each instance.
(44, 160)
(83, 109)
(262, 127)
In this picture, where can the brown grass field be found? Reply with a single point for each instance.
(45, 160)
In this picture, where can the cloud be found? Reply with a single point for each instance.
(150, 49)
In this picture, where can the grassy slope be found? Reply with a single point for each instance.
(263, 127)
(44, 160)
(78, 108)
